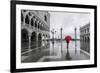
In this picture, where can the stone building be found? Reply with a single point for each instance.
(85, 38)
(35, 28)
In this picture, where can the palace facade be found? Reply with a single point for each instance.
(35, 28)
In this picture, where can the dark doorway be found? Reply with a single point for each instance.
(33, 40)
(24, 40)
(39, 40)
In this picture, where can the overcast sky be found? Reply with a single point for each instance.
(68, 21)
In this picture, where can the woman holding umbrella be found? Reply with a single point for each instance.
(68, 39)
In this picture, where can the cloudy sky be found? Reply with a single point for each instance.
(68, 21)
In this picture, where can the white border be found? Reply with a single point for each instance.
(20, 65)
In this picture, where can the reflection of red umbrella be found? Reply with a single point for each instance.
(68, 38)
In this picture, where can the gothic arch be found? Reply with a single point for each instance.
(24, 39)
(27, 19)
(39, 40)
(22, 17)
(32, 22)
(33, 40)
(36, 24)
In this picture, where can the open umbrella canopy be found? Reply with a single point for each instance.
(68, 38)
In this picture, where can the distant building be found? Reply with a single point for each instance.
(35, 28)
(85, 38)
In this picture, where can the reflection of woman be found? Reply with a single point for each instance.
(68, 57)
(67, 44)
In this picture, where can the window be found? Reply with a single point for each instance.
(45, 18)
(27, 19)
(32, 22)
(22, 18)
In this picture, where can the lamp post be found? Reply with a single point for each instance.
(61, 39)
(75, 41)
(53, 32)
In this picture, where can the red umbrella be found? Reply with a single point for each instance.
(68, 38)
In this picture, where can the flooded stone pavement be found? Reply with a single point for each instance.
(56, 53)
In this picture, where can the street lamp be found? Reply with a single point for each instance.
(75, 40)
(53, 32)
(61, 39)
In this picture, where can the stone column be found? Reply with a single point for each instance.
(61, 40)
(75, 40)
(83, 42)
(29, 41)
(24, 15)
(37, 40)
(24, 19)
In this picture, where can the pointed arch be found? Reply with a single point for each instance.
(27, 19)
